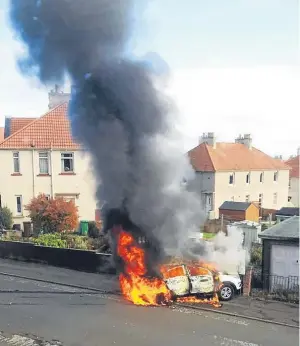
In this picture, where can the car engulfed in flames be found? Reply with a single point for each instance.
(174, 280)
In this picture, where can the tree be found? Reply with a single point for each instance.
(52, 215)
(6, 218)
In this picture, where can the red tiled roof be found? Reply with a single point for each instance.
(232, 157)
(17, 124)
(294, 164)
(1, 134)
(52, 130)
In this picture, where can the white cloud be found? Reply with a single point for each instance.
(263, 101)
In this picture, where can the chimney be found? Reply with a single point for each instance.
(7, 127)
(57, 97)
(246, 140)
(208, 138)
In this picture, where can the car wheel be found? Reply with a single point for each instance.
(226, 292)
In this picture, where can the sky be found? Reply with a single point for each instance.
(234, 65)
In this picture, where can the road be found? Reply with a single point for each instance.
(36, 313)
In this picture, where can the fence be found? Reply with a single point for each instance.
(285, 288)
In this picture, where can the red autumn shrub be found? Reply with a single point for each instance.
(53, 214)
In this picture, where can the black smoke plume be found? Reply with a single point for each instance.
(118, 111)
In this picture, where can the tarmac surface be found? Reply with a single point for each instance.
(36, 313)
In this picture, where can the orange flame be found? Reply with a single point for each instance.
(214, 301)
(141, 290)
(135, 287)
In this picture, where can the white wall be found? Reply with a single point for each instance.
(294, 191)
(238, 191)
(30, 183)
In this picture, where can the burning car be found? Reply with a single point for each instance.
(183, 280)
(194, 280)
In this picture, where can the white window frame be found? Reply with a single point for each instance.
(247, 199)
(16, 157)
(275, 178)
(44, 155)
(233, 179)
(19, 213)
(65, 157)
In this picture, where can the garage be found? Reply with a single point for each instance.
(284, 260)
(280, 262)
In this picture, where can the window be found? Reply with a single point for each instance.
(16, 162)
(67, 162)
(232, 198)
(19, 205)
(44, 163)
(247, 199)
(231, 179)
(248, 178)
(261, 178)
(275, 198)
(260, 199)
(276, 176)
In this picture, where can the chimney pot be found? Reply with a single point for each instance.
(246, 140)
(208, 138)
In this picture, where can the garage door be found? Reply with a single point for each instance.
(285, 260)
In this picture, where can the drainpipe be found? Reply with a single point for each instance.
(33, 169)
(51, 172)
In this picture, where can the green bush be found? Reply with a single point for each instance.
(256, 255)
(93, 230)
(75, 241)
(6, 218)
(50, 239)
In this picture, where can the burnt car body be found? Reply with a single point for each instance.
(184, 280)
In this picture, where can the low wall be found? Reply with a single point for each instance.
(82, 260)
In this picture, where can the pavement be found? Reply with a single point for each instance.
(36, 313)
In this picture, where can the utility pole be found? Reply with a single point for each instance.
(222, 222)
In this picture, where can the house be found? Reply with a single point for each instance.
(294, 179)
(239, 211)
(237, 172)
(286, 212)
(280, 263)
(40, 156)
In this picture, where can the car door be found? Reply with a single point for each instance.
(201, 279)
(177, 280)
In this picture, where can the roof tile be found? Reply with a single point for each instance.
(52, 130)
(17, 124)
(232, 157)
(294, 164)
